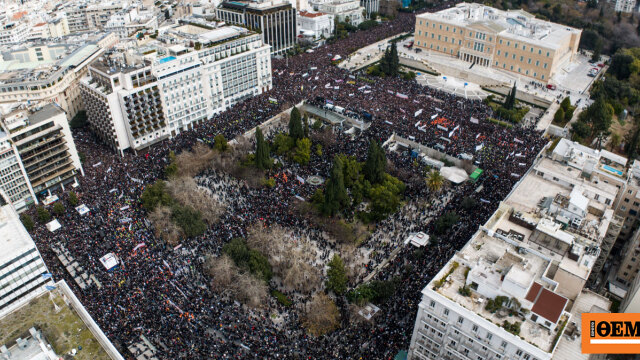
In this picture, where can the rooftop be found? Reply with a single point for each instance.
(516, 24)
(14, 238)
(59, 323)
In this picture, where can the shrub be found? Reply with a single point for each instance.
(73, 198)
(189, 219)
(282, 298)
(43, 214)
(220, 143)
(464, 291)
(58, 208)
(27, 221)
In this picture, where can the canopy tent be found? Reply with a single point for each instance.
(476, 174)
(454, 174)
(82, 209)
(53, 225)
(109, 261)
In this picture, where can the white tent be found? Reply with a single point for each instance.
(53, 225)
(82, 209)
(109, 261)
(454, 174)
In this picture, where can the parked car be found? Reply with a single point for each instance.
(551, 87)
(418, 50)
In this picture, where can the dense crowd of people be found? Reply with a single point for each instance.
(161, 292)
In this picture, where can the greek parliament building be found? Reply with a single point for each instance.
(275, 20)
(512, 40)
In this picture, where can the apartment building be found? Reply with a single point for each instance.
(274, 20)
(130, 21)
(513, 40)
(46, 148)
(625, 6)
(516, 289)
(175, 87)
(87, 16)
(51, 29)
(13, 33)
(13, 176)
(49, 71)
(349, 11)
(23, 273)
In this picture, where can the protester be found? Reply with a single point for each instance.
(161, 292)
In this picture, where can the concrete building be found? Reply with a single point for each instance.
(511, 40)
(515, 289)
(344, 10)
(13, 177)
(631, 301)
(130, 21)
(370, 6)
(275, 20)
(389, 8)
(49, 72)
(88, 16)
(134, 105)
(46, 148)
(23, 274)
(13, 33)
(51, 29)
(625, 6)
(313, 26)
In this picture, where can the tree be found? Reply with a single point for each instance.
(336, 276)
(305, 122)
(390, 63)
(172, 169)
(614, 141)
(189, 219)
(445, 222)
(375, 164)
(27, 221)
(220, 143)
(385, 197)
(599, 115)
(621, 65)
(435, 180)
(580, 130)
(303, 151)
(154, 195)
(43, 214)
(559, 116)
(295, 124)
(335, 193)
(565, 104)
(510, 100)
(263, 161)
(58, 208)
(322, 315)
(597, 50)
(73, 198)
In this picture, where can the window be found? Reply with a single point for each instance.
(519, 352)
(526, 357)
(545, 65)
(489, 336)
(504, 344)
(534, 317)
(547, 54)
(453, 343)
(521, 58)
(460, 320)
(432, 303)
(498, 52)
(475, 328)
(446, 312)
(626, 200)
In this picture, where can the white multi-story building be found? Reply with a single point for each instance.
(134, 106)
(315, 25)
(625, 6)
(23, 274)
(348, 11)
(51, 29)
(128, 22)
(13, 33)
(370, 6)
(13, 176)
(45, 145)
(516, 289)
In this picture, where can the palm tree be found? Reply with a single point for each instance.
(434, 180)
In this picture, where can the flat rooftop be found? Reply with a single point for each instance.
(14, 238)
(516, 24)
(60, 325)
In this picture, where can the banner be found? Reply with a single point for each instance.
(299, 179)
(402, 96)
(418, 113)
(139, 246)
(442, 128)
(273, 100)
(474, 120)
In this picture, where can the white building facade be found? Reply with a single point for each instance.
(315, 26)
(23, 274)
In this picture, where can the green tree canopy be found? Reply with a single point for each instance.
(27, 221)
(337, 276)
(335, 193)
(295, 124)
(220, 143)
(375, 164)
(262, 159)
(154, 195)
(303, 151)
(73, 198)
